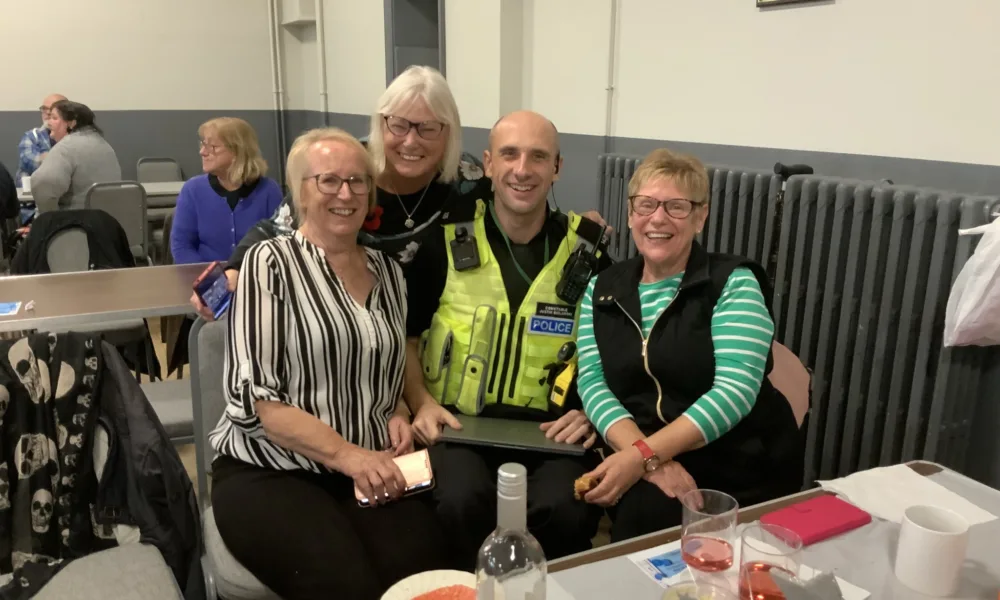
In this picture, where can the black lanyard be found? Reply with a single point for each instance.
(506, 240)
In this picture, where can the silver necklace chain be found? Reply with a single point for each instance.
(409, 213)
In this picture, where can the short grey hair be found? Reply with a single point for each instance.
(298, 162)
(429, 85)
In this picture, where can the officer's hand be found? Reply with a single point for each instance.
(430, 421)
(571, 428)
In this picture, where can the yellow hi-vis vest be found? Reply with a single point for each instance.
(476, 352)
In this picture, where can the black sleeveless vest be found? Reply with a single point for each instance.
(680, 355)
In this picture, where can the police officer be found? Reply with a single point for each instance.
(484, 305)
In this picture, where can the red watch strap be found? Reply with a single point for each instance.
(644, 449)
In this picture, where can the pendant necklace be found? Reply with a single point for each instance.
(409, 213)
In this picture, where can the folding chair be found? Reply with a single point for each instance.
(155, 169)
(68, 252)
(225, 577)
(126, 202)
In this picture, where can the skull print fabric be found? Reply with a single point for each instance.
(48, 384)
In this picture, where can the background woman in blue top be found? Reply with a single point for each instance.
(215, 210)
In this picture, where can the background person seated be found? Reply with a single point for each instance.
(522, 249)
(215, 210)
(683, 400)
(35, 143)
(415, 141)
(80, 158)
(314, 375)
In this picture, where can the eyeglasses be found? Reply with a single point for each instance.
(45, 109)
(678, 208)
(329, 183)
(429, 130)
(212, 148)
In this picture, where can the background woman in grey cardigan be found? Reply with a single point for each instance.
(80, 158)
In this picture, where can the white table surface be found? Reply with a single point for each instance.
(67, 300)
(863, 557)
(160, 188)
(163, 188)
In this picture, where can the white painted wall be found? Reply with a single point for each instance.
(355, 54)
(566, 62)
(132, 55)
(904, 78)
(472, 58)
(355, 58)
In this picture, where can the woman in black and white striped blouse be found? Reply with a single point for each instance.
(314, 376)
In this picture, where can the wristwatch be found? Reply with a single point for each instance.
(650, 461)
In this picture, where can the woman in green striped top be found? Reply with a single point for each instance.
(674, 349)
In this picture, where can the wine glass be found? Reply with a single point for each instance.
(766, 548)
(709, 528)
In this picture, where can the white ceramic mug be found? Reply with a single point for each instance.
(932, 547)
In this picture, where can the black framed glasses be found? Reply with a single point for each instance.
(678, 208)
(429, 130)
(330, 183)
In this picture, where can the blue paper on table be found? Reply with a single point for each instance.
(666, 565)
(8, 309)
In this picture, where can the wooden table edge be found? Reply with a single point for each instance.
(666, 536)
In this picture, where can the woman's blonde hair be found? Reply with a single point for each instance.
(687, 173)
(298, 162)
(430, 86)
(239, 138)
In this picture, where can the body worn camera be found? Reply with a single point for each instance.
(464, 250)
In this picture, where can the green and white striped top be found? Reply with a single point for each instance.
(742, 330)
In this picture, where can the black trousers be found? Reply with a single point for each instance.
(304, 536)
(646, 509)
(466, 497)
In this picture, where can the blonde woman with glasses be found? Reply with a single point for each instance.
(313, 378)
(215, 210)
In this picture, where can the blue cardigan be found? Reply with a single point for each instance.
(205, 229)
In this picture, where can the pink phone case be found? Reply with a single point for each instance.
(819, 518)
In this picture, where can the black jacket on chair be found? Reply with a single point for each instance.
(761, 457)
(108, 243)
(67, 399)
(9, 206)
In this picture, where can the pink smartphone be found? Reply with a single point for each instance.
(416, 469)
(819, 518)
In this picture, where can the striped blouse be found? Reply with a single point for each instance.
(742, 330)
(297, 336)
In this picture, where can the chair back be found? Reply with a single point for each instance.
(790, 377)
(166, 255)
(126, 202)
(154, 169)
(206, 349)
(68, 251)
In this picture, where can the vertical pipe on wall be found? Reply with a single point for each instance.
(324, 100)
(612, 55)
(442, 66)
(390, 43)
(279, 103)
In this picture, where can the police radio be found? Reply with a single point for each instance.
(579, 268)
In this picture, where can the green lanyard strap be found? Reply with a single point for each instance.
(506, 240)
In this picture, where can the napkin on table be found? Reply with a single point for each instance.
(886, 492)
